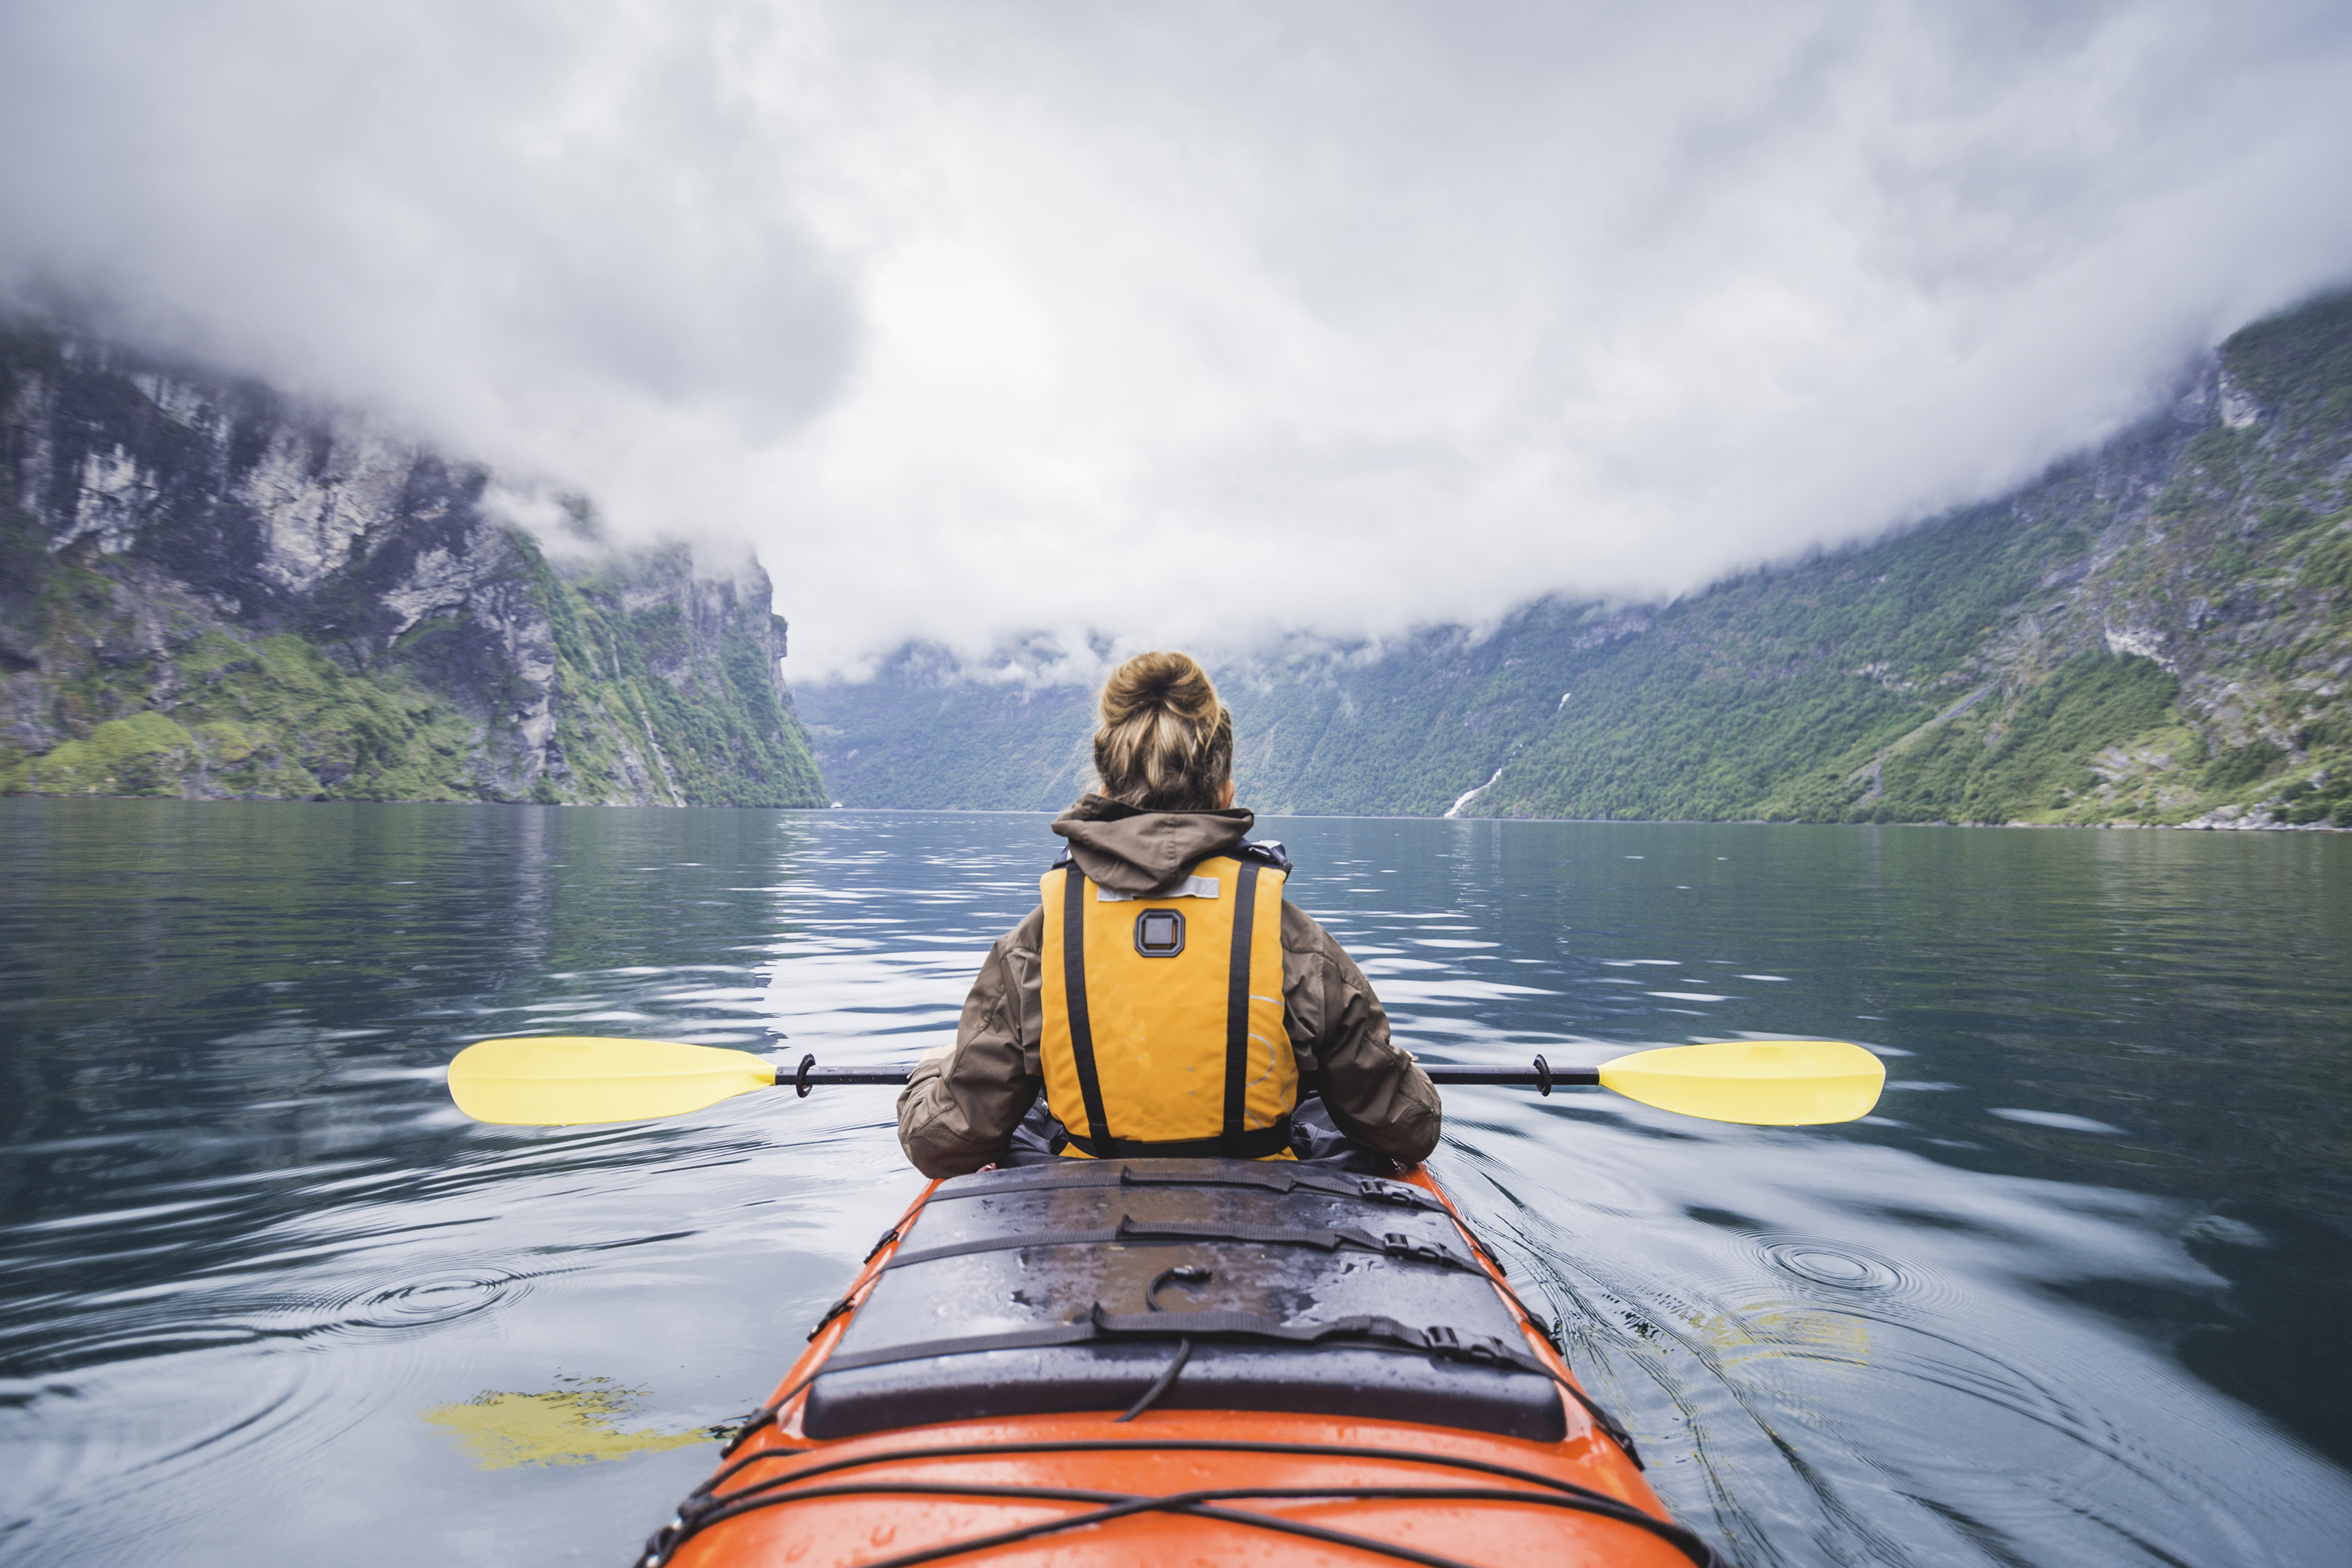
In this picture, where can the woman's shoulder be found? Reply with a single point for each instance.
(1020, 944)
(1265, 852)
(1303, 933)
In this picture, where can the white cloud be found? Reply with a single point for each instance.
(1199, 320)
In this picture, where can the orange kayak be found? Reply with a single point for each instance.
(1179, 1360)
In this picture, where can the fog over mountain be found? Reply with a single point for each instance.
(1196, 321)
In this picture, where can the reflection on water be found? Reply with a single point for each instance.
(576, 1425)
(2071, 1297)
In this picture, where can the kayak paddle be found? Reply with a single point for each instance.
(566, 1080)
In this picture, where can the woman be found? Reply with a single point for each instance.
(1164, 997)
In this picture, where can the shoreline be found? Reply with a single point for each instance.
(2201, 825)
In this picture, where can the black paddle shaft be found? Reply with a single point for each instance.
(1543, 1077)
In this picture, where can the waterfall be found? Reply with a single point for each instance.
(1470, 795)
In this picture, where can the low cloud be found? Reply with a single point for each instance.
(1198, 322)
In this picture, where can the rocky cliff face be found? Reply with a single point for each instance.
(2157, 632)
(209, 589)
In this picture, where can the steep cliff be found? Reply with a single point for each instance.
(2157, 632)
(209, 589)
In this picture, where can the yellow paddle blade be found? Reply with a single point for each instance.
(560, 1082)
(1769, 1083)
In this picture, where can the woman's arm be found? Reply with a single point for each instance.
(962, 1101)
(1373, 1089)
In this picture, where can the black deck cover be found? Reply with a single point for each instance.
(1071, 1251)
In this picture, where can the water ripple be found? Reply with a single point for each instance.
(1841, 1266)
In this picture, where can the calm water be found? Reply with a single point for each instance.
(2076, 1295)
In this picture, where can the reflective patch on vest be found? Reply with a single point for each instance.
(1190, 888)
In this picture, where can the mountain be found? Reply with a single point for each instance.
(2156, 632)
(210, 590)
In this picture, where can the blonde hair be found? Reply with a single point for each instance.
(1166, 742)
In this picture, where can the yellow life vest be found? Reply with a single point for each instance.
(1163, 1016)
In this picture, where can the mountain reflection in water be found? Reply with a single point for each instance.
(2071, 1297)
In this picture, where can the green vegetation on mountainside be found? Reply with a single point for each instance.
(1410, 732)
(2010, 663)
(720, 735)
(179, 617)
(2035, 763)
(920, 735)
(2157, 632)
(221, 715)
(1761, 697)
(271, 718)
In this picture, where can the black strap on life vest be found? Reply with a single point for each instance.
(1074, 1000)
(1237, 1001)
(1234, 1141)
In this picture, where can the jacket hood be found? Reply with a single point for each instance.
(1130, 850)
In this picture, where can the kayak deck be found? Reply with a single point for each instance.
(1075, 1286)
(1201, 1360)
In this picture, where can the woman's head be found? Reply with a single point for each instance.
(1166, 742)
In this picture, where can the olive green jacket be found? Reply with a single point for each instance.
(962, 1101)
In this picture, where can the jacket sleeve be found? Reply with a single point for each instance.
(962, 1101)
(1375, 1092)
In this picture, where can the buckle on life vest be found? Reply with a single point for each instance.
(1160, 934)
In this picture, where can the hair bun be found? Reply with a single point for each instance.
(1173, 681)
(1166, 742)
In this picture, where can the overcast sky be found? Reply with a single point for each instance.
(1193, 321)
